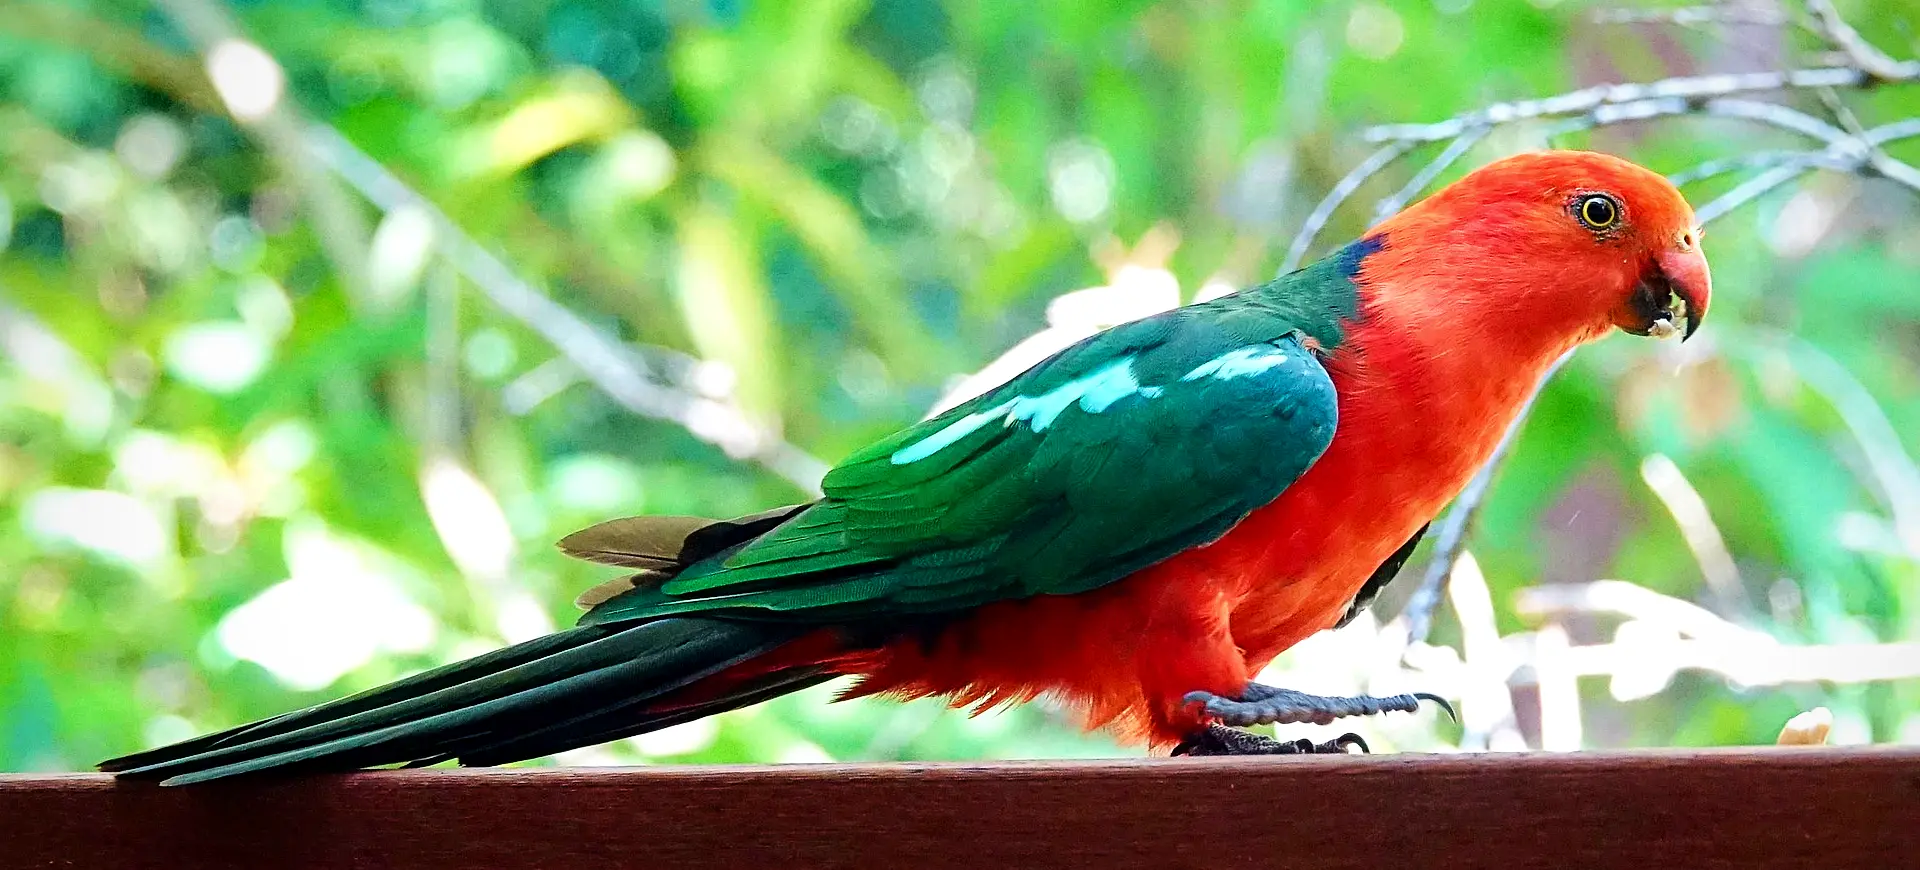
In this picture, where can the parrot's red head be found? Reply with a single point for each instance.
(1575, 240)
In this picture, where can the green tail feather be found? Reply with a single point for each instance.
(546, 695)
(627, 720)
(418, 684)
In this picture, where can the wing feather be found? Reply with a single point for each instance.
(1116, 453)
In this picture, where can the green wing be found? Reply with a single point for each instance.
(1133, 445)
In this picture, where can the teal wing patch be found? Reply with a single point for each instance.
(1125, 449)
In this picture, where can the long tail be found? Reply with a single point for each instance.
(575, 688)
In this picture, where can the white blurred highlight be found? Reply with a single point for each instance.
(248, 79)
(1559, 687)
(474, 530)
(1080, 177)
(112, 524)
(685, 738)
(1486, 703)
(398, 254)
(341, 607)
(467, 518)
(219, 356)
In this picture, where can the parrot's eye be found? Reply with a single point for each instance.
(1597, 211)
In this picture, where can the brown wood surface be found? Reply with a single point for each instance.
(1763, 808)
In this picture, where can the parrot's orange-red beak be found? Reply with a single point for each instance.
(1671, 297)
(1687, 275)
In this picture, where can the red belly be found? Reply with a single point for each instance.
(1209, 618)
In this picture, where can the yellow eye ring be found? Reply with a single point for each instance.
(1597, 211)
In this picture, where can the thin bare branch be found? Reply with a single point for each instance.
(1895, 131)
(1742, 163)
(1775, 115)
(1557, 686)
(1345, 188)
(1757, 111)
(1420, 180)
(1696, 16)
(1856, 154)
(1895, 474)
(1587, 100)
(1866, 66)
(1698, 529)
(1450, 538)
(1840, 111)
(1748, 191)
(1621, 113)
(340, 228)
(1869, 59)
(615, 369)
(318, 158)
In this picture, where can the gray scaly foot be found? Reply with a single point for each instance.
(1267, 705)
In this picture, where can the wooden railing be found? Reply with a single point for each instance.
(1765, 808)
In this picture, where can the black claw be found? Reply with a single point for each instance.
(1219, 739)
(1443, 703)
(1343, 742)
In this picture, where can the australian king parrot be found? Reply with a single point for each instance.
(1133, 527)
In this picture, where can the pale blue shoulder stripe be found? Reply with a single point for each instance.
(1239, 363)
(1095, 393)
(952, 432)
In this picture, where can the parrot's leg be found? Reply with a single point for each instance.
(1267, 705)
(1217, 739)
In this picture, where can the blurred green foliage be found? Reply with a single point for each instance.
(225, 410)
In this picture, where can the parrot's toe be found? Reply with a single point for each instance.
(1267, 705)
(1219, 739)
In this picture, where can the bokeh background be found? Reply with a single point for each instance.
(304, 373)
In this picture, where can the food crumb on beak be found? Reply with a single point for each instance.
(1678, 311)
(1666, 326)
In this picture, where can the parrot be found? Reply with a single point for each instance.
(1132, 528)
